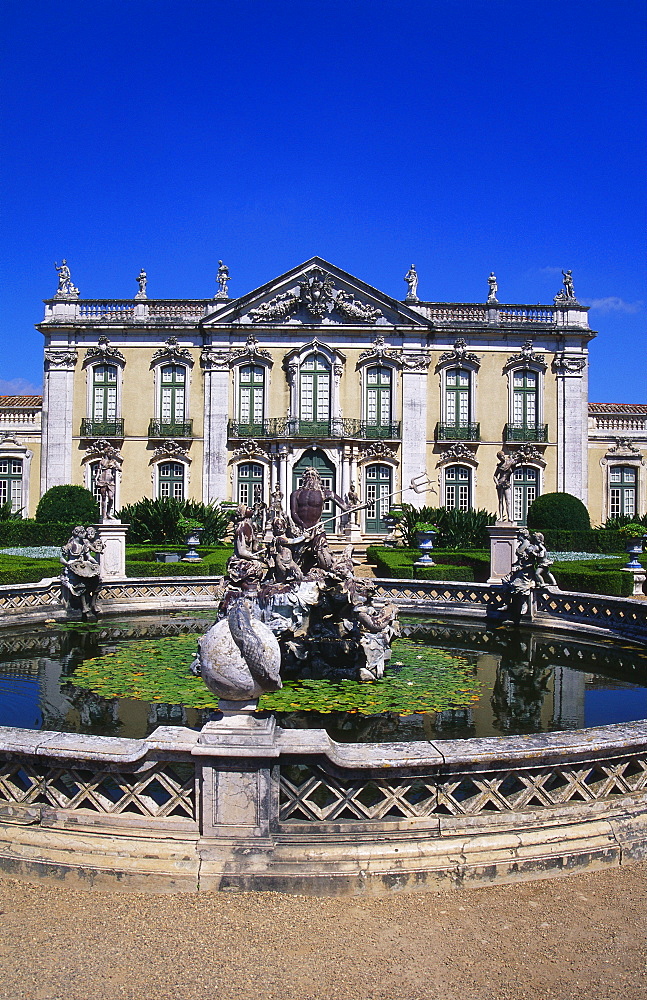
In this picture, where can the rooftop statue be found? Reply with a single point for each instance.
(494, 288)
(142, 279)
(65, 284)
(222, 278)
(411, 278)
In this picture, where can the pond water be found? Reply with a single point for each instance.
(520, 681)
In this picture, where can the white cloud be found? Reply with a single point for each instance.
(613, 304)
(18, 387)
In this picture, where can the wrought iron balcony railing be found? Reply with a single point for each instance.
(158, 428)
(458, 432)
(522, 432)
(102, 428)
(336, 427)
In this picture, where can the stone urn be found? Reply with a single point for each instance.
(425, 539)
(192, 538)
(634, 548)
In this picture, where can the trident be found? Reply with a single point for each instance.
(419, 484)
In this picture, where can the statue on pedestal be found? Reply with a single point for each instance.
(106, 484)
(569, 291)
(494, 288)
(142, 279)
(411, 278)
(222, 278)
(81, 575)
(503, 482)
(65, 284)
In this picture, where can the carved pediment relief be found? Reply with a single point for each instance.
(380, 351)
(61, 359)
(459, 356)
(527, 358)
(101, 448)
(213, 357)
(316, 292)
(458, 452)
(172, 352)
(104, 352)
(168, 450)
(624, 448)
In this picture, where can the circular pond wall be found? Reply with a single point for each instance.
(256, 807)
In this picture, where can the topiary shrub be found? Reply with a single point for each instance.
(558, 510)
(68, 503)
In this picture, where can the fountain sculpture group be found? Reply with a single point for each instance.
(291, 605)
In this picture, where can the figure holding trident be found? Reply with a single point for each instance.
(419, 484)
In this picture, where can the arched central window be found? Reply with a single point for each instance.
(250, 483)
(378, 401)
(11, 483)
(251, 388)
(314, 395)
(458, 481)
(173, 394)
(622, 491)
(171, 480)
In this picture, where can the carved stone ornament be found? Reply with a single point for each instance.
(66, 287)
(526, 357)
(318, 297)
(250, 449)
(251, 350)
(459, 356)
(624, 448)
(568, 364)
(528, 453)
(170, 449)
(378, 449)
(352, 309)
(458, 452)
(104, 352)
(212, 358)
(172, 352)
(416, 362)
(101, 448)
(60, 359)
(379, 351)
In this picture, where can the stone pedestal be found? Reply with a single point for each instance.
(113, 557)
(639, 575)
(503, 542)
(236, 785)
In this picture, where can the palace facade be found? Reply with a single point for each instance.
(225, 398)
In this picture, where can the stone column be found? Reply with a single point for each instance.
(113, 558)
(215, 365)
(572, 424)
(414, 423)
(58, 399)
(503, 543)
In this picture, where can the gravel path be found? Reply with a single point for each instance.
(575, 938)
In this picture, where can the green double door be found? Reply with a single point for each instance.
(317, 460)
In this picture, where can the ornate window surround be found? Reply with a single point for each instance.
(172, 354)
(11, 448)
(158, 461)
(94, 362)
(292, 363)
(250, 451)
(455, 464)
(382, 356)
(458, 357)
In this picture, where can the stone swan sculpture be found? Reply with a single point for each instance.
(239, 658)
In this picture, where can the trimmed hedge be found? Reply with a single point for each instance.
(18, 569)
(594, 540)
(558, 508)
(63, 502)
(16, 533)
(397, 564)
(213, 564)
(589, 577)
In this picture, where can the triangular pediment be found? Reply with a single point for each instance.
(315, 292)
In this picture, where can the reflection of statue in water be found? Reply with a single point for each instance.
(80, 578)
(503, 482)
(520, 687)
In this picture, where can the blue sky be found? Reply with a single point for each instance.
(463, 136)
